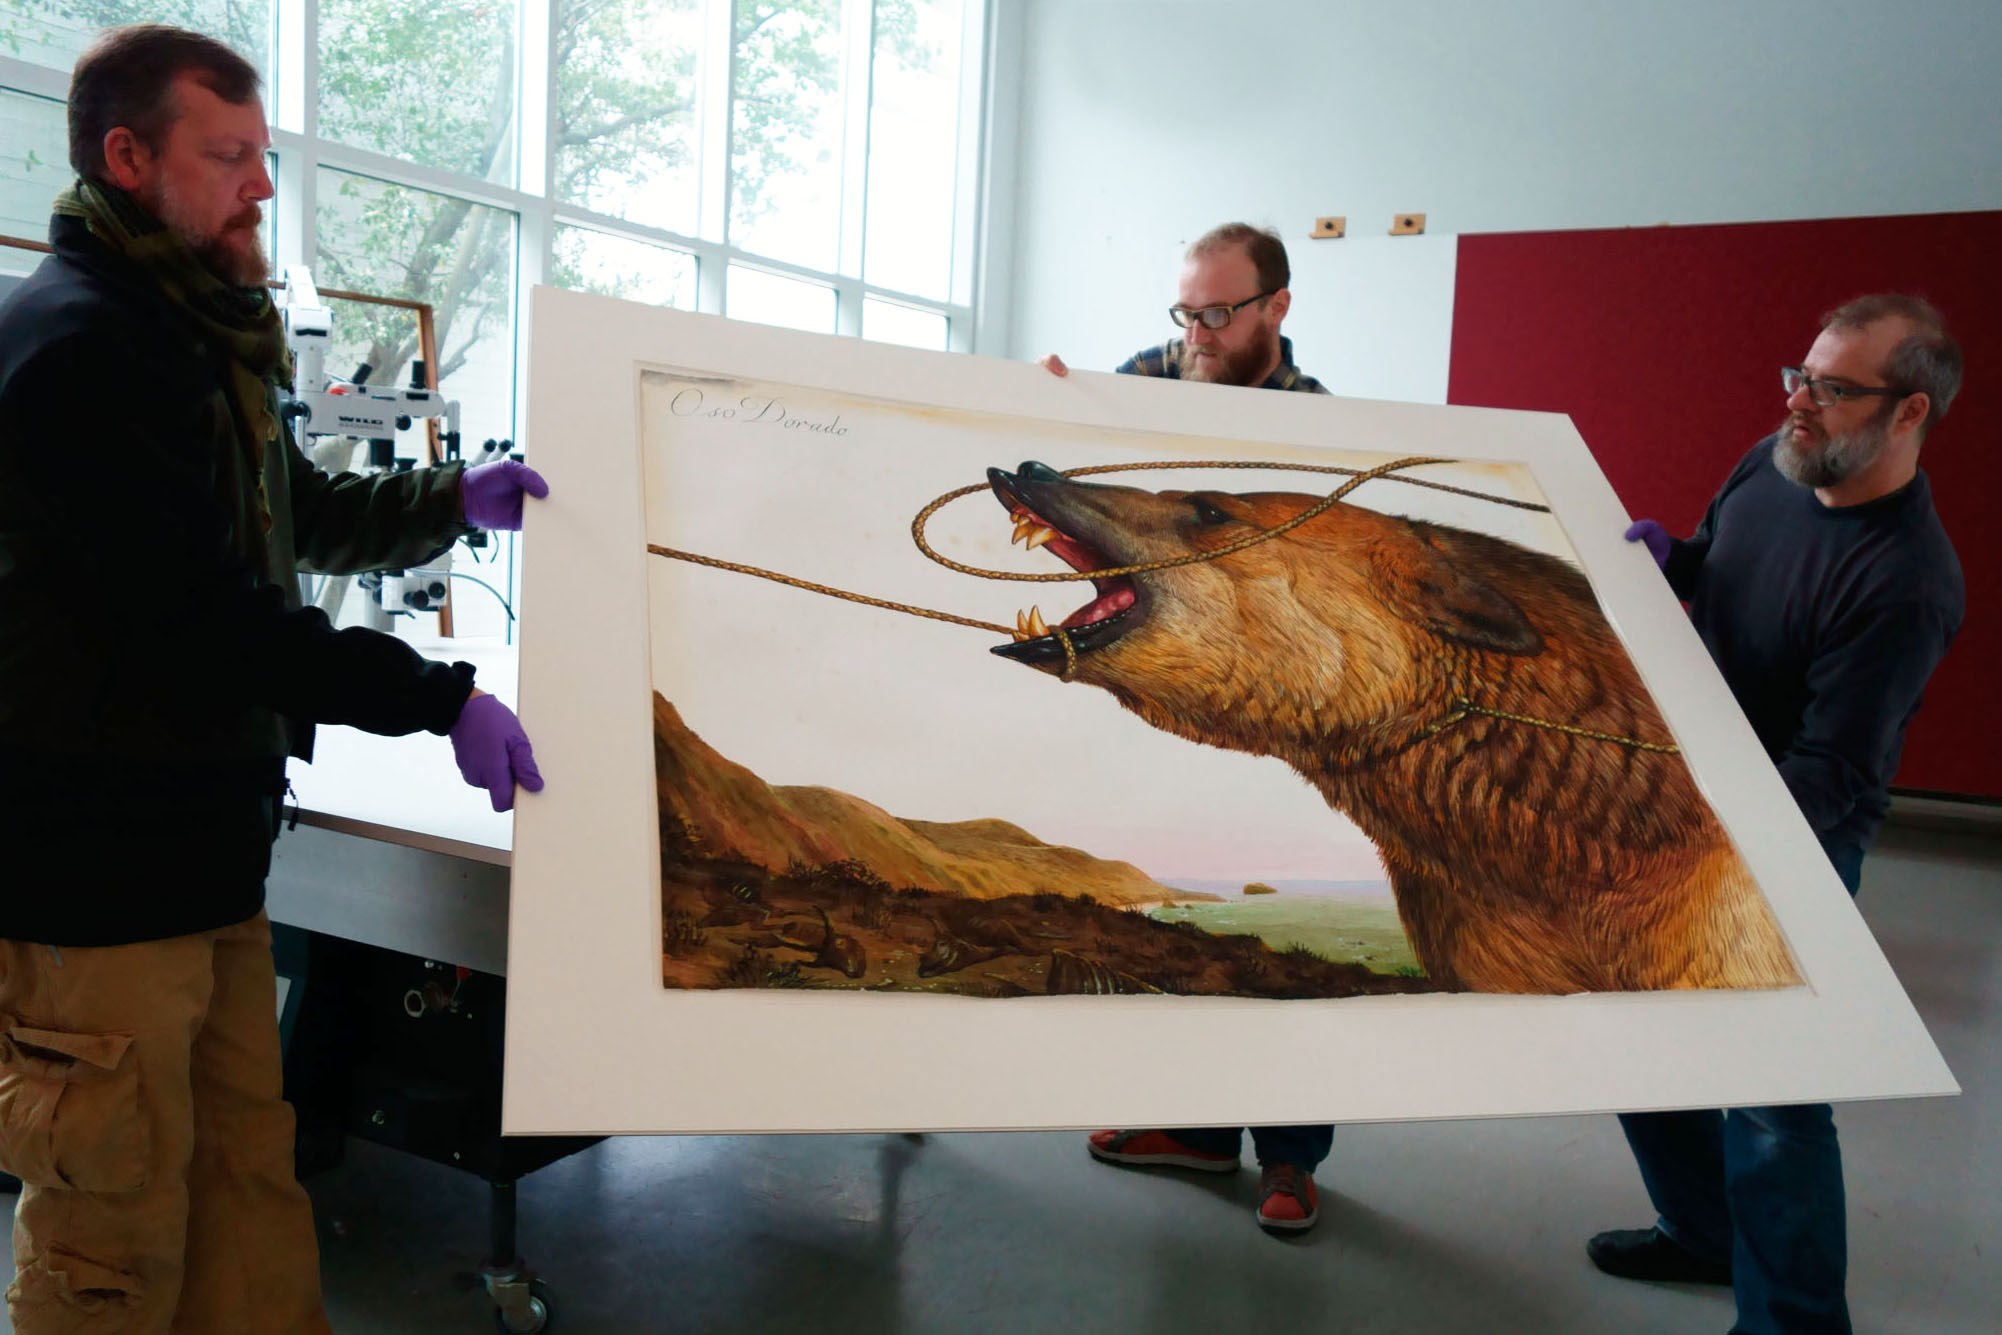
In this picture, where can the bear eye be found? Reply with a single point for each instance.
(1207, 513)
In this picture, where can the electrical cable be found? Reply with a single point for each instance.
(505, 606)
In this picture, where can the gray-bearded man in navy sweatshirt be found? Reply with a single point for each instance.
(1826, 591)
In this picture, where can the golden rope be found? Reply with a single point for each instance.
(791, 581)
(1273, 466)
(1263, 535)
(1463, 707)
(827, 589)
(1356, 478)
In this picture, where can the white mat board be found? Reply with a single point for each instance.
(596, 1044)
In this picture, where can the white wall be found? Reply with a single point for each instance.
(1142, 124)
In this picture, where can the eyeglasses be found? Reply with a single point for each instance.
(1828, 393)
(1212, 317)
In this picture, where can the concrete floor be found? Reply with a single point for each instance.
(1426, 1227)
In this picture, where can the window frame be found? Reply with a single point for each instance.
(300, 153)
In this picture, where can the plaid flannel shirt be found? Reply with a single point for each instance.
(1166, 361)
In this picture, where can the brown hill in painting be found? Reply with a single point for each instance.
(719, 810)
(765, 886)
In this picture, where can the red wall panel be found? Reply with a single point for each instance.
(1664, 345)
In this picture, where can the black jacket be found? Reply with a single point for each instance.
(151, 682)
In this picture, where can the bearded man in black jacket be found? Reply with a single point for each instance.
(143, 743)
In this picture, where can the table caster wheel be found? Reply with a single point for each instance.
(527, 1313)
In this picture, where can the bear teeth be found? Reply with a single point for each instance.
(1029, 532)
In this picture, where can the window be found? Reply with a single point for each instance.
(392, 240)
(888, 322)
(614, 266)
(770, 298)
(845, 135)
(34, 168)
(39, 43)
(53, 33)
(426, 81)
(913, 128)
(797, 162)
(626, 116)
(786, 131)
(800, 161)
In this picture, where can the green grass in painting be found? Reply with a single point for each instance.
(1344, 930)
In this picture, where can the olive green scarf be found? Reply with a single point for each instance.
(242, 321)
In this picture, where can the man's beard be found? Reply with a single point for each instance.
(1840, 457)
(237, 264)
(1242, 366)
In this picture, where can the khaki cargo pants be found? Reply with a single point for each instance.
(139, 1105)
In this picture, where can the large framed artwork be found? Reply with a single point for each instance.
(933, 743)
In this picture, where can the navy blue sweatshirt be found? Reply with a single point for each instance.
(1826, 624)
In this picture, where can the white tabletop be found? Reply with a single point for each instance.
(393, 848)
(408, 790)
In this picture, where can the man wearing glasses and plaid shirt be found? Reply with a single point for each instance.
(1824, 586)
(1232, 297)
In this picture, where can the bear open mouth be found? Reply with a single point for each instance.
(1120, 604)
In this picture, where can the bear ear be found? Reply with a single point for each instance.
(1428, 588)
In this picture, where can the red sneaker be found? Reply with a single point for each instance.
(1288, 1201)
(1156, 1149)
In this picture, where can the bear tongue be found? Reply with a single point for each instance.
(1110, 603)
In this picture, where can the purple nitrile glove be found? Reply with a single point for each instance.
(491, 493)
(492, 750)
(1652, 536)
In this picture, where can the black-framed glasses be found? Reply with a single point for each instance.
(1212, 317)
(1828, 393)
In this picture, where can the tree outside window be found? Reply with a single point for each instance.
(434, 83)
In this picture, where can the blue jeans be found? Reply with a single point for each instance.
(1763, 1188)
(1301, 1146)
